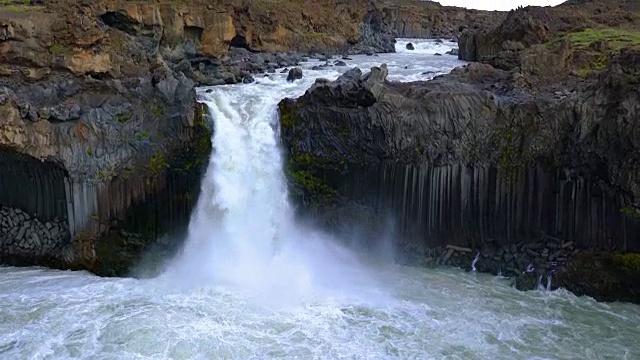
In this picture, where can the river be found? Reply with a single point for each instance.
(252, 283)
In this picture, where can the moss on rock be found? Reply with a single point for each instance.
(609, 276)
(302, 168)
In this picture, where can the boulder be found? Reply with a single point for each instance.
(294, 74)
(410, 46)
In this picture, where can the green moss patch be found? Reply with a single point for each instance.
(615, 38)
(631, 212)
(18, 6)
(158, 163)
(58, 49)
(124, 117)
(589, 59)
(304, 169)
(630, 261)
(158, 110)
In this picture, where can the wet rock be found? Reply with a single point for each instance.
(228, 78)
(27, 111)
(410, 46)
(294, 74)
(340, 63)
(453, 52)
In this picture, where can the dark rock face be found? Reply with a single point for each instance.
(471, 159)
(294, 74)
(524, 27)
(426, 19)
(375, 35)
(92, 130)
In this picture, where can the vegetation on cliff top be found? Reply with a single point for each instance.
(18, 6)
(593, 47)
(616, 38)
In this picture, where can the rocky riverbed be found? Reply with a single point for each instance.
(24, 236)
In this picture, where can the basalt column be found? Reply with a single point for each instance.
(33, 214)
(470, 205)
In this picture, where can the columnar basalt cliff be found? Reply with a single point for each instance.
(101, 141)
(483, 161)
(94, 121)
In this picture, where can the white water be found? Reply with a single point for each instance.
(475, 261)
(251, 283)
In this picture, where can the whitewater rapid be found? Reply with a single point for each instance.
(252, 283)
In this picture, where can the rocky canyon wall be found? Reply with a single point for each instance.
(100, 134)
(479, 164)
(96, 127)
(468, 206)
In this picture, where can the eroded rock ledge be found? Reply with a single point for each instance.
(478, 159)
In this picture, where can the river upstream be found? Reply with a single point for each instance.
(251, 283)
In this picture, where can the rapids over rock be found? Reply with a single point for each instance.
(251, 282)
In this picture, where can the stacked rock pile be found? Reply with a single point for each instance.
(24, 235)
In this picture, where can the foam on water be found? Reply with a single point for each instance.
(422, 47)
(251, 283)
(429, 314)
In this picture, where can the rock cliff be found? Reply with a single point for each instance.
(480, 159)
(525, 164)
(576, 36)
(101, 141)
(94, 121)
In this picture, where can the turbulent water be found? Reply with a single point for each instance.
(252, 283)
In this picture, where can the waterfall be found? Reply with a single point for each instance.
(242, 232)
(243, 212)
(539, 283)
